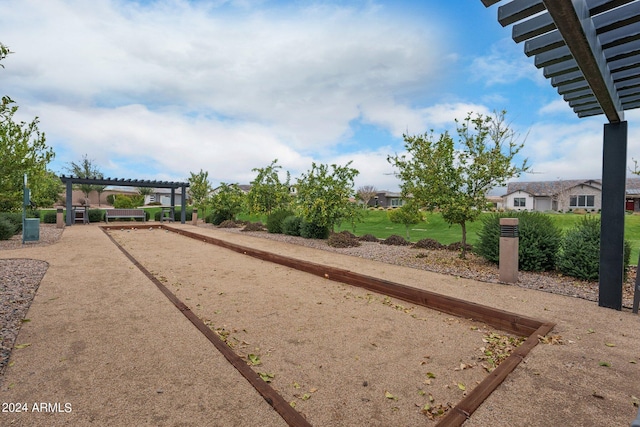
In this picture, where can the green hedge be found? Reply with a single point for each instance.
(15, 218)
(50, 217)
(96, 215)
(291, 225)
(7, 228)
(176, 215)
(313, 231)
(275, 220)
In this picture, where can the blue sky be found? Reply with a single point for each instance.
(159, 89)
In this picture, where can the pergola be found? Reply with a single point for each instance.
(69, 181)
(590, 51)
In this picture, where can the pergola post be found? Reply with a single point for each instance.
(614, 161)
(69, 203)
(183, 205)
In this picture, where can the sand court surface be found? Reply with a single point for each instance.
(104, 339)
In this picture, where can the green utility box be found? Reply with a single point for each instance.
(31, 230)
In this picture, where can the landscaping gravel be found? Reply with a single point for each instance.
(449, 262)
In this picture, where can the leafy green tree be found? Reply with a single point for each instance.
(200, 190)
(456, 180)
(46, 189)
(324, 195)
(408, 214)
(228, 201)
(267, 193)
(24, 151)
(85, 168)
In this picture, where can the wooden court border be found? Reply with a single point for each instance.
(506, 321)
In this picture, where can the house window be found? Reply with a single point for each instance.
(582, 201)
(519, 202)
(396, 202)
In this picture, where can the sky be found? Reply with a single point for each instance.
(159, 89)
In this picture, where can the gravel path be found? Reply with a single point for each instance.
(19, 281)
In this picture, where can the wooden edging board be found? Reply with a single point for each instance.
(506, 321)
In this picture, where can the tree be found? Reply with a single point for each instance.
(407, 214)
(4, 51)
(456, 180)
(227, 202)
(200, 190)
(86, 168)
(366, 193)
(24, 151)
(324, 195)
(267, 193)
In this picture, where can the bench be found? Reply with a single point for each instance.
(124, 213)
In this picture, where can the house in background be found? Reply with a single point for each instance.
(564, 195)
(386, 199)
(163, 196)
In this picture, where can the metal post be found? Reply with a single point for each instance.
(509, 242)
(183, 205)
(636, 291)
(614, 161)
(69, 199)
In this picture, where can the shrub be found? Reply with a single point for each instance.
(15, 218)
(538, 244)
(50, 217)
(428, 244)
(275, 219)
(313, 231)
(218, 217)
(95, 215)
(228, 223)
(395, 240)
(253, 226)
(291, 225)
(343, 239)
(579, 254)
(7, 229)
(123, 202)
(368, 238)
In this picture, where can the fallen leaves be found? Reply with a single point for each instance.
(266, 376)
(498, 348)
(254, 359)
(551, 339)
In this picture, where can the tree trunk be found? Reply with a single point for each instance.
(463, 254)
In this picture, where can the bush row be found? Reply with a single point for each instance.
(286, 222)
(542, 246)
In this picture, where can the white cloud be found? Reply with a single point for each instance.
(226, 86)
(505, 64)
(401, 119)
